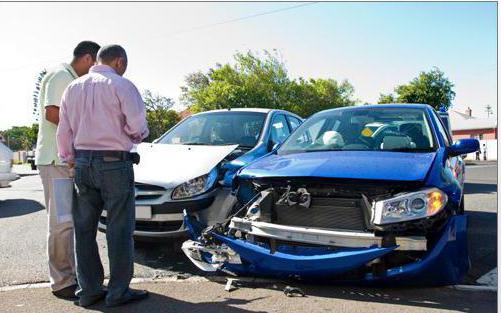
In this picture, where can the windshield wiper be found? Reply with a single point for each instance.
(194, 144)
(321, 150)
(409, 150)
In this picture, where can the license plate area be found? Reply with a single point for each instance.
(143, 212)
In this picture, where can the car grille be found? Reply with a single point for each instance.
(152, 226)
(148, 192)
(336, 213)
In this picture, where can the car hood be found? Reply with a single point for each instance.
(170, 165)
(373, 165)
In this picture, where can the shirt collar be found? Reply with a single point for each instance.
(70, 69)
(102, 68)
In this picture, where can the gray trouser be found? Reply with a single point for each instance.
(60, 246)
(109, 186)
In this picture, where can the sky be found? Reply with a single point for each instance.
(375, 46)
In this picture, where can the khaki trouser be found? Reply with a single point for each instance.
(60, 242)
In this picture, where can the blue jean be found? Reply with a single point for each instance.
(107, 185)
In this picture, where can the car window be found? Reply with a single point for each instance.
(441, 129)
(376, 129)
(222, 128)
(279, 129)
(294, 122)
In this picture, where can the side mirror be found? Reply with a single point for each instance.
(463, 146)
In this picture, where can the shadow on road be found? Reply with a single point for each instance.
(472, 188)
(166, 257)
(482, 243)
(18, 207)
(159, 303)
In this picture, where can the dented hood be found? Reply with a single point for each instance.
(170, 165)
(373, 165)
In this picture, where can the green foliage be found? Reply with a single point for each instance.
(431, 87)
(159, 114)
(389, 98)
(255, 81)
(21, 137)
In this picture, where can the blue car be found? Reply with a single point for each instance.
(366, 195)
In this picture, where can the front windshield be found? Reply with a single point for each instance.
(376, 129)
(223, 128)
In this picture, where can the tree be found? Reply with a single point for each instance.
(21, 137)
(431, 87)
(261, 81)
(386, 98)
(159, 114)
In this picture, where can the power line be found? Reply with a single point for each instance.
(241, 18)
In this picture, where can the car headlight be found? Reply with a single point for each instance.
(409, 206)
(195, 186)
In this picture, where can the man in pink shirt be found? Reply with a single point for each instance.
(101, 116)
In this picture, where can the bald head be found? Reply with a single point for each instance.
(114, 56)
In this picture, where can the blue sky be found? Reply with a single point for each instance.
(375, 46)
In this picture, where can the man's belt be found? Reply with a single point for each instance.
(110, 155)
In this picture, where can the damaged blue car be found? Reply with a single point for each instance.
(364, 195)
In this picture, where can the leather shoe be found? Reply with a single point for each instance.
(67, 293)
(130, 296)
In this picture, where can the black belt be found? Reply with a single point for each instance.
(118, 155)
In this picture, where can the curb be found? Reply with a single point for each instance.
(223, 279)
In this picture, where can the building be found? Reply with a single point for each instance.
(466, 125)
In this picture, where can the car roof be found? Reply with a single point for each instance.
(258, 110)
(420, 106)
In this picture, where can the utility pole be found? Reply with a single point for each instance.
(488, 109)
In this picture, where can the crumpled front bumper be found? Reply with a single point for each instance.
(444, 263)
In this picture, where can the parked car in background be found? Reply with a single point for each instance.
(191, 167)
(367, 194)
(6, 175)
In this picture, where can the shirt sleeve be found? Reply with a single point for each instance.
(133, 109)
(64, 134)
(55, 88)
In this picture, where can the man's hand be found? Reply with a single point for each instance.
(52, 114)
(71, 166)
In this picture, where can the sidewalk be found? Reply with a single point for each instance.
(199, 295)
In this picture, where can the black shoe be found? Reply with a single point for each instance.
(67, 293)
(90, 300)
(130, 296)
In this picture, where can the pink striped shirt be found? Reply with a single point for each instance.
(100, 111)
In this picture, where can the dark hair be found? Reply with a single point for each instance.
(109, 53)
(86, 47)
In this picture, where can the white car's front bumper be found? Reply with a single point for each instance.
(6, 178)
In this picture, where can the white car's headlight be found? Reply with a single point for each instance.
(195, 186)
(409, 206)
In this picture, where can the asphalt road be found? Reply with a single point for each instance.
(23, 243)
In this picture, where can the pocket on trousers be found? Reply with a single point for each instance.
(118, 180)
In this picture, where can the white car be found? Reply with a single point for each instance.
(191, 167)
(6, 175)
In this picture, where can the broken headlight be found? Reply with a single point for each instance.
(409, 206)
(195, 186)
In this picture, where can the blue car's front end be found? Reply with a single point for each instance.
(368, 195)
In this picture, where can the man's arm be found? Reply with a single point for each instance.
(132, 106)
(55, 88)
(52, 114)
(64, 134)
